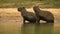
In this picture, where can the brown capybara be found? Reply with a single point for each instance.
(29, 16)
(43, 15)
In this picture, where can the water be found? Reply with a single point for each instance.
(16, 27)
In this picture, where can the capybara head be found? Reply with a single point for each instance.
(21, 8)
(36, 8)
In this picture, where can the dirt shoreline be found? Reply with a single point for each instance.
(12, 13)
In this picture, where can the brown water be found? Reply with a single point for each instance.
(17, 27)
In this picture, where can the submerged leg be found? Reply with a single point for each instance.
(38, 21)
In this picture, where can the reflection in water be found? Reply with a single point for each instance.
(44, 29)
(37, 29)
(27, 29)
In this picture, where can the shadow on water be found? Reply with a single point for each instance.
(37, 28)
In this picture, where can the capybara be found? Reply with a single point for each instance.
(29, 16)
(43, 15)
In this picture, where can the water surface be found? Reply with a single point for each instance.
(16, 27)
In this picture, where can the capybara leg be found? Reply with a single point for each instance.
(38, 21)
(51, 21)
(24, 21)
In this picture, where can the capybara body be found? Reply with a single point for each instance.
(43, 15)
(29, 16)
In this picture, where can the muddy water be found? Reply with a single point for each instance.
(17, 27)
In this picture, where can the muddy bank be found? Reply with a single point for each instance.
(12, 13)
